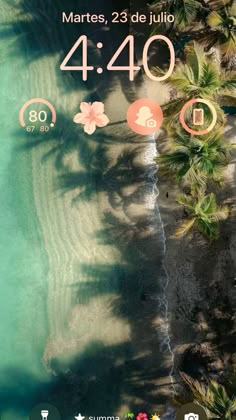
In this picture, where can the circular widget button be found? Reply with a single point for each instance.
(191, 411)
(44, 412)
(144, 116)
(198, 132)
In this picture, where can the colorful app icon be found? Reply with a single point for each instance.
(198, 117)
(155, 417)
(144, 116)
(129, 416)
(142, 416)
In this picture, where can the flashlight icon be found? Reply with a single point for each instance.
(44, 414)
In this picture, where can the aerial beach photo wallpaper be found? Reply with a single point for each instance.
(118, 238)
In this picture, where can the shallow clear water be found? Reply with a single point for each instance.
(23, 262)
(81, 276)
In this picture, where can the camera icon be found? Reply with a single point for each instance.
(145, 117)
(191, 416)
(151, 123)
(191, 411)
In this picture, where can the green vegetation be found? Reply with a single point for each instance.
(212, 22)
(198, 163)
(222, 22)
(192, 161)
(204, 213)
(213, 398)
(185, 11)
(199, 77)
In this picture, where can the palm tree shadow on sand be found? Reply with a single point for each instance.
(39, 32)
(134, 372)
(104, 377)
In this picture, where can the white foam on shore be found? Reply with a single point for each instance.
(152, 204)
(149, 156)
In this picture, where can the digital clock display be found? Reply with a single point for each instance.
(129, 43)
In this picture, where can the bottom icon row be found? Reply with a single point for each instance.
(189, 411)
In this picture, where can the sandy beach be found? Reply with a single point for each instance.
(70, 228)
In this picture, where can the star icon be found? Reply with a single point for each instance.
(79, 417)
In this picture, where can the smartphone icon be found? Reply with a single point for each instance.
(198, 117)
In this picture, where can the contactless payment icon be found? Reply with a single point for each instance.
(144, 116)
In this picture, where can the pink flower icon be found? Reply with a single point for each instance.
(142, 416)
(91, 115)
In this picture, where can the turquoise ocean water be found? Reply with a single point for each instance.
(95, 311)
(23, 263)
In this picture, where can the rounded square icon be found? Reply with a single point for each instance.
(44, 411)
(191, 411)
(144, 116)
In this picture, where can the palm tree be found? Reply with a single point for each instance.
(199, 77)
(212, 22)
(222, 23)
(194, 160)
(203, 214)
(213, 398)
(185, 11)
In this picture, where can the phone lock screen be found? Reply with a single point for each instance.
(117, 211)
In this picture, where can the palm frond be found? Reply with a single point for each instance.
(212, 397)
(186, 201)
(219, 4)
(214, 19)
(228, 47)
(221, 214)
(185, 227)
(206, 213)
(195, 58)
